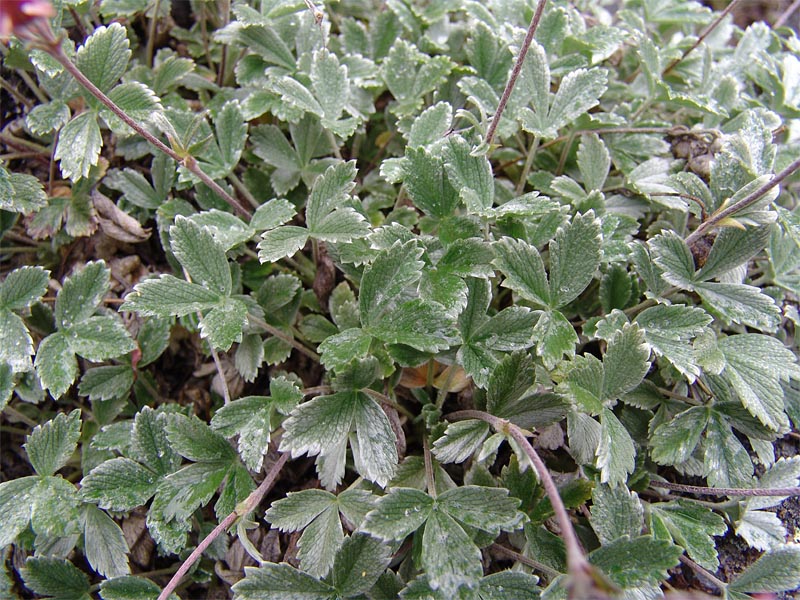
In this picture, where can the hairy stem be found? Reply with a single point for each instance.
(521, 558)
(53, 47)
(787, 14)
(244, 508)
(515, 71)
(576, 561)
(706, 32)
(748, 200)
(706, 491)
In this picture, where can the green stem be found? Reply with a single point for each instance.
(523, 179)
(286, 338)
(389, 402)
(151, 33)
(718, 583)
(429, 477)
(528, 562)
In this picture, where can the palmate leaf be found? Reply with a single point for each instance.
(317, 513)
(427, 182)
(56, 364)
(726, 463)
(449, 556)
(119, 484)
(740, 303)
(386, 277)
(22, 287)
(322, 426)
(250, 418)
(460, 441)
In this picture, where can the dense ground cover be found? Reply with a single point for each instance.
(421, 299)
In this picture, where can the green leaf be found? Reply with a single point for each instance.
(281, 242)
(389, 274)
(21, 193)
(201, 255)
(523, 268)
(130, 588)
(632, 562)
(281, 581)
(149, 443)
(330, 84)
(330, 191)
(273, 213)
(322, 425)
(594, 161)
(55, 578)
(223, 325)
(776, 571)
(470, 175)
(669, 329)
(16, 506)
(431, 125)
(616, 512)
(18, 349)
(99, 338)
(556, 338)
(166, 296)
(375, 455)
(264, 41)
(22, 287)
(228, 230)
(674, 442)
(579, 91)
(574, 257)
(104, 543)
(756, 364)
(449, 556)
(741, 303)
(428, 185)
(625, 361)
(119, 484)
(671, 253)
(105, 383)
(104, 56)
(616, 452)
(250, 418)
(231, 133)
(338, 350)
(137, 100)
(44, 118)
(398, 514)
(460, 441)
(733, 247)
(487, 508)
(81, 293)
(49, 446)
(193, 439)
(416, 323)
(692, 527)
(726, 462)
(761, 529)
(79, 144)
(55, 364)
(359, 563)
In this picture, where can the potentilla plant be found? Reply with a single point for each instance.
(407, 299)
